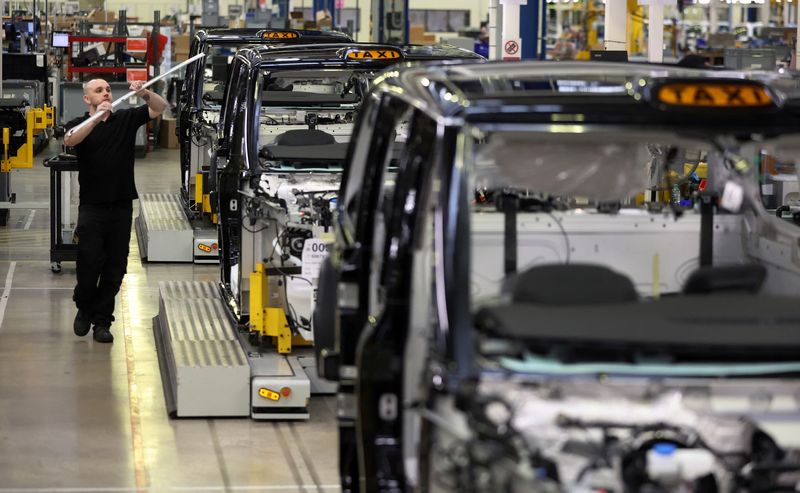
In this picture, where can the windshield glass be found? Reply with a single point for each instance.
(331, 87)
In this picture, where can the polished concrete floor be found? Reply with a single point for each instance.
(78, 416)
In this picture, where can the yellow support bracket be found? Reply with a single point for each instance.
(268, 321)
(37, 119)
(202, 200)
(198, 190)
(6, 143)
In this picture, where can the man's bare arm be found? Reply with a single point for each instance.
(71, 139)
(155, 103)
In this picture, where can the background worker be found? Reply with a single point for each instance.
(105, 150)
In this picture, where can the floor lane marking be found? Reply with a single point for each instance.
(306, 456)
(30, 219)
(287, 453)
(42, 288)
(223, 468)
(115, 489)
(140, 471)
(6, 291)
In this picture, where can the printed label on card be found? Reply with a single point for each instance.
(314, 252)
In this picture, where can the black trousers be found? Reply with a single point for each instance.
(104, 232)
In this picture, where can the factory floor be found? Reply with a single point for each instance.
(79, 416)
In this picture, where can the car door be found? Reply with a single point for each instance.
(380, 352)
(337, 317)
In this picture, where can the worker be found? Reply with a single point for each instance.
(105, 150)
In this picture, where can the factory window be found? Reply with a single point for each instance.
(439, 21)
(342, 17)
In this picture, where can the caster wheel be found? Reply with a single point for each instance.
(55, 267)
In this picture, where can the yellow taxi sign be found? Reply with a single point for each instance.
(382, 54)
(714, 94)
(269, 394)
(280, 35)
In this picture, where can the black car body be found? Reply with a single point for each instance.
(239, 161)
(219, 45)
(499, 325)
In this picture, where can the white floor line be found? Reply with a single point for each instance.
(282, 487)
(6, 291)
(30, 219)
(110, 489)
(41, 288)
(113, 489)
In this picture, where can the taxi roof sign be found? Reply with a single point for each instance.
(280, 35)
(733, 94)
(375, 54)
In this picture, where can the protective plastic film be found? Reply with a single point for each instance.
(596, 167)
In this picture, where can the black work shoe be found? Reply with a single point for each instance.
(102, 334)
(82, 324)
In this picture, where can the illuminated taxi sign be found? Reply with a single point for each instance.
(269, 394)
(280, 35)
(382, 54)
(714, 94)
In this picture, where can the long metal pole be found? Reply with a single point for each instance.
(121, 100)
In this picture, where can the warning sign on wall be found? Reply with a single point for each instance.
(512, 49)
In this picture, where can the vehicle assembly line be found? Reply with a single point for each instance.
(392, 247)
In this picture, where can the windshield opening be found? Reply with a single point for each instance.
(307, 117)
(215, 73)
(578, 240)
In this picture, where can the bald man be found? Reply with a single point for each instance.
(105, 150)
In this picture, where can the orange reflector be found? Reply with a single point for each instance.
(204, 247)
(269, 394)
(280, 35)
(286, 391)
(373, 55)
(714, 95)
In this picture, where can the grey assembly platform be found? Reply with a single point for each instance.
(208, 367)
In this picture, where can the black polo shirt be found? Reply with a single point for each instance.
(105, 157)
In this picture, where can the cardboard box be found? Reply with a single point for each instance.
(100, 15)
(66, 23)
(166, 136)
(416, 34)
(296, 20)
(181, 43)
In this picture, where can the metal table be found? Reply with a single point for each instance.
(59, 205)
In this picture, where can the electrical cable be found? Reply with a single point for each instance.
(282, 272)
(564, 233)
(293, 276)
(248, 216)
(254, 231)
